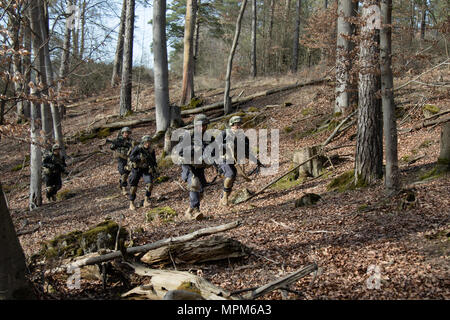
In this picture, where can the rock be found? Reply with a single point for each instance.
(163, 214)
(182, 295)
(307, 199)
(240, 196)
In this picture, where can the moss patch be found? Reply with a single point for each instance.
(194, 103)
(431, 108)
(165, 162)
(288, 129)
(345, 181)
(439, 170)
(161, 179)
(77, 243)
(65, 194)
(163, 214)
(306, 111)
(291, 180)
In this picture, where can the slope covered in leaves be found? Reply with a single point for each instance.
(344, 233)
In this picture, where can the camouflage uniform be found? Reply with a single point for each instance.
(194, 173)
(122, 147)
(143, 164)
(54, 164)
(230, 140)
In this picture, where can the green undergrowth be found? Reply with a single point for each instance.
(194, 103)
(161, 214)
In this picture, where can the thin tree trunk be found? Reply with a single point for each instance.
(294, 65)
(75, 40)
(227, 99)
(35, 159)
(369, 145)
(36, 16)
(161, 77)
(254, 17)
(270, 55)
(26, 64)
(65, 63)
(187, 91)
(83, 29)
(118, 60)
(197, 37)
(387, 97)
(423, 21)
(17, 62)
(343, 60)
(13, 283)
(126, 86)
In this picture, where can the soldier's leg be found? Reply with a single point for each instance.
(229, 171)
(195, 190)
(134, 181)
(124, 173)
(148, 188)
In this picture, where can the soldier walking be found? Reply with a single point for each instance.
(231, 139)
(143, 163)
(122, 146)
(193, 172)
(54, 164)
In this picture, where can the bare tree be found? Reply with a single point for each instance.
(387, 97)
(118, 59)
(254, 17)
(126, 85)
(161, 72)
(187, 91)
(227, 98)
(343, 61)
(13, 283)
(35, 158)
(294, 65)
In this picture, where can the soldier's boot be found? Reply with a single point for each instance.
(224, 200)
(132, 195)
(132, 206)
(198, 215)
(148, 192)
(188, 214)
(227, 187)
(193, 214)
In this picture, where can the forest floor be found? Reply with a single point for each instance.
(344, 233)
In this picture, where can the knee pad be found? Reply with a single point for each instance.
(228, 184)
(195, 184)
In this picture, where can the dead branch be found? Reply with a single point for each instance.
(282, 283)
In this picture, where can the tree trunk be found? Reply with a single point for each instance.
(35, 159)
(227, 99)
(197, 37)
(17, 62)
(254, 17)
(387, 97)
(65, 62)
(187, 91)
(57, 127)
(369, 145)
(199, 251)
(270, 55)
(444, 155)
(118, 60)
(126, 86)
(83, 29)
(343, 60)
(423, 21)
(36, 17)
(294, 65)
(161, 72)
(13, 283)
(26, 64)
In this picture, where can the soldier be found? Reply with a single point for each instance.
(143, 163)
(122, 146)
(54, 164)
(231, 139)
(194, 173)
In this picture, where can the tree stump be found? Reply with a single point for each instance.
(311, 168)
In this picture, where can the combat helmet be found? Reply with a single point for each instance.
(201, 119)
(125, 129)
(56, 147)
(146, 138)
(235, 119)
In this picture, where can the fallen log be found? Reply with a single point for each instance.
(282, 283)
(426, 124)
(84, 261)
(216, 248)
(163, 281)
(238, 100)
